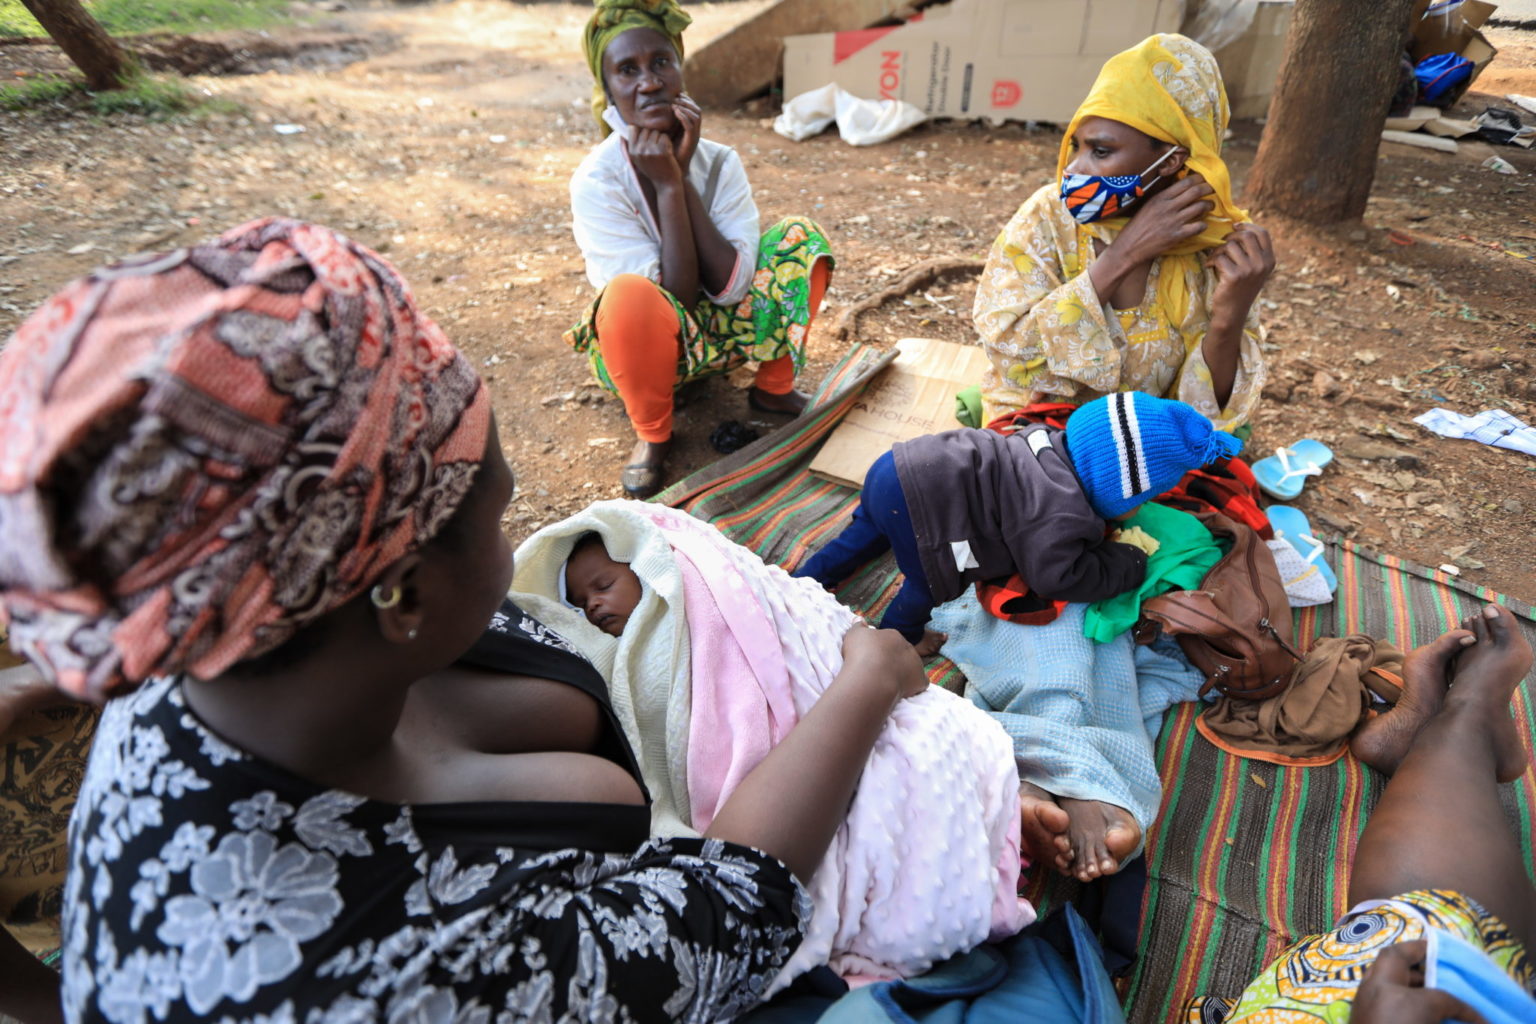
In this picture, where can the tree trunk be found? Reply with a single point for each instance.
(84, 41)
(1317, 157)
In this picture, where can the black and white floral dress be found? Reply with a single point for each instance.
(208, 885)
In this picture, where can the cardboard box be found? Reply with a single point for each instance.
(998, 59)
(1251, 63)
(1454, 31)
(914, 396)
(745, 60)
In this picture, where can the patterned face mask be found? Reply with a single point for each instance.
(1091, 197)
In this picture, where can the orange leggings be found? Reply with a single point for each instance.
(637, 336)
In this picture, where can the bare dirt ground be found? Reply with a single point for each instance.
(444, 135)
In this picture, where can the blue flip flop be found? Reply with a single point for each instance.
(1282, 474)
(1291, 525)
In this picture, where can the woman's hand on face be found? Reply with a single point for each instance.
(1242, 264)
(652, 154)
(886, 656)
(1175, 214)
(692, 119)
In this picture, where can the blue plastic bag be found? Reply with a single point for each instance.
(1440, 75)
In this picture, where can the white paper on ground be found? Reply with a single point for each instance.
(1491, 426)
(859, 122)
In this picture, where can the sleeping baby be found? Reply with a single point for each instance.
(711, 657)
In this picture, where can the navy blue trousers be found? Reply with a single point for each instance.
(881, 523)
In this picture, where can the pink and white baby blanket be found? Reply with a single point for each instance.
(719, 660)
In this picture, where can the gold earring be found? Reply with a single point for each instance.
(381, 599)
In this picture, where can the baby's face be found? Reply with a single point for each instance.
(606, 591)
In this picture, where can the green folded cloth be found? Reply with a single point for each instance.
(1186, 552)
(968, 406)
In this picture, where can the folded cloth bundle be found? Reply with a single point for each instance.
(719, 659)
(1309, 722)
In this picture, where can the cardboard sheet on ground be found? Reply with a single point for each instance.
(912, 397)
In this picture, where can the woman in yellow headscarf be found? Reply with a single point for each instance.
(1134, 270)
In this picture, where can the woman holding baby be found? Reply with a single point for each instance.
(254, 495)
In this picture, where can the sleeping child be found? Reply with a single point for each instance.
(711, 657)
(966, 506)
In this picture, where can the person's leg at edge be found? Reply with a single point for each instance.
(637, 337)
(1439, 823)
(773, 390)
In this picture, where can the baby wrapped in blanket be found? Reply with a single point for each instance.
(711, 657)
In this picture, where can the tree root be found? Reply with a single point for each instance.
(918, 275)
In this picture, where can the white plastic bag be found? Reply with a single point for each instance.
(1215, 23)
(860, 122)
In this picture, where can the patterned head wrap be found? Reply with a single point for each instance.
(1169, 87)
(613, 18)
(202, 451)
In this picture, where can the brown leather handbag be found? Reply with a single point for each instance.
(1237, 627)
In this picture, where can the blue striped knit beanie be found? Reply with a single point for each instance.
(1129, 447)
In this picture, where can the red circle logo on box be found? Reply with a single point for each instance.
(1006, 94)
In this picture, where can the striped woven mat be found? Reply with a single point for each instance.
(1246, 856)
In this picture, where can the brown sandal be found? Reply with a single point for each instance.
(794, 402)
(642, 478)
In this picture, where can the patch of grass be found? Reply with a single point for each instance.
(38, 92)
(128, 17)
(145, 95)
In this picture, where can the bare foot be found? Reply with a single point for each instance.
(929, 645)
(1486, 675)
(1102, 836)
(1044, 828)
(1383, 740)
(792, 403)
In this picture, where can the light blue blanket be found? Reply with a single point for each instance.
(1083, 716)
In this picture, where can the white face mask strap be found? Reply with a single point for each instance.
(1153, 166)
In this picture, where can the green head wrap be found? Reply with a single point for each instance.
(615, 17)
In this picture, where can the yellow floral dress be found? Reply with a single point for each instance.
(1046, 331)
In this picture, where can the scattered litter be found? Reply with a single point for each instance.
(1494, 427)
(1503, 126)
(1499, 164)
(1523, 102)
(732, 435)
(600, 442)
(860, 122)
(288, 129)
(1394, 293)
(1365, 355)
(425, 101)
(1420, 140)
(81, 249)
(498, 139)
(1450, 570)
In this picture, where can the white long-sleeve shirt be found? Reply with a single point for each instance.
(618, 234)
